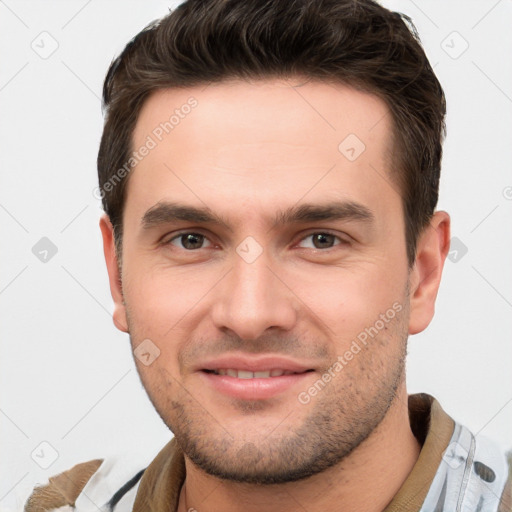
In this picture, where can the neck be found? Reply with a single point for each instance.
(366, 480)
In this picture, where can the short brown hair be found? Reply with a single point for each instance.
(353, 42)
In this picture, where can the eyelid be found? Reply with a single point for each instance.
(343, 238)
(169, 237)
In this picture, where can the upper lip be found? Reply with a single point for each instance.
(254, 364)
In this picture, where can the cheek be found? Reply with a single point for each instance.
(347, 300)
(160, 297)
(164, 306)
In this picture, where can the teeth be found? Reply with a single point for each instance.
(244, 374)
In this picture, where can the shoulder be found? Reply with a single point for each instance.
(97, 483)
(62, 489)
(477, 473)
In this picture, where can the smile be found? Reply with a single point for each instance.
(245, 374)
(254, 385)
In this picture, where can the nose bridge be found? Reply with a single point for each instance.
(252, 284)
(252, 299)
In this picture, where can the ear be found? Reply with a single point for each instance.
(431, 251)
(109, 249)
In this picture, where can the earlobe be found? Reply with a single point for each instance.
(109, 250)
(425, 277)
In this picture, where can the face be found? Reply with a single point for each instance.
(264, 273)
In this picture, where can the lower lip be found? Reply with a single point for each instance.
(253, 389)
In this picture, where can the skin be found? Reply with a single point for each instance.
(248, 151)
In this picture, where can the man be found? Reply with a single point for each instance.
(269, 172)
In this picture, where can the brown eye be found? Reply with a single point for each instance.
(320, 241)
(189, 241)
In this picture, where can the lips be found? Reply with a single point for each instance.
(245, 374)
(264, 363)
(253, 378)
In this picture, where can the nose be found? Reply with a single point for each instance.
(253, 298)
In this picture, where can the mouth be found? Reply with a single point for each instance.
(246, 374)
(255, 385)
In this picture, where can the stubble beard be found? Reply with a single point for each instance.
(342, 416)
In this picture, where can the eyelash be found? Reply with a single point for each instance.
(340, 241)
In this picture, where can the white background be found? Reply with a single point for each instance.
(67, 374)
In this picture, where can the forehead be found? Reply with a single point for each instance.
(268, 140)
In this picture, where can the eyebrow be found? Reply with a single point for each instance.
(345, 210)
(168, 212)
